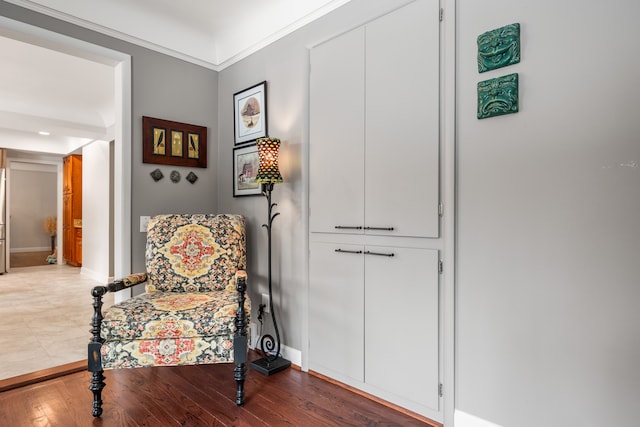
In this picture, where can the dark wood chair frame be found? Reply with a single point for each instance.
(97, 383)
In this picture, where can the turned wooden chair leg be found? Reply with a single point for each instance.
(240, 343)
(97, 384)
(94, 358)
(240, 373)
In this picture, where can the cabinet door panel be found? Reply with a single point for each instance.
(401, 323)
(67, 228)
(402, 121)
(72, 210)
(337, 134)
(336, 309)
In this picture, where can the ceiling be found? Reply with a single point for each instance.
(73, 98)
(45, 90)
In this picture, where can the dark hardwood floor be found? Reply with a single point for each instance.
(196, 396)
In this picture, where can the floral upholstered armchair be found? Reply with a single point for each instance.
(194, 310)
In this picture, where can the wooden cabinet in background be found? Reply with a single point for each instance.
(72, 210)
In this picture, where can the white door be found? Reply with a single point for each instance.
(336, 309)
(401, 323)
(402, 122)
(337, 135)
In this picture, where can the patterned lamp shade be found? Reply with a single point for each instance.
(268, 172)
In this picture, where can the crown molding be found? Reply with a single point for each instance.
(332, 5)
(111, 33)
(318, 13)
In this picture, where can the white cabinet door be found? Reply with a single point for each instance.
(336, 149)
(402, 121)
(401, 322)
(336, 309)
(374, 164)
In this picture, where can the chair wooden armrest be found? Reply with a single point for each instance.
(127, 282)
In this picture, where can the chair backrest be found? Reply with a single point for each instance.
(194, 253)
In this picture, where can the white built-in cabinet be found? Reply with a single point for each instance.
(336, 149)
(374, 318)
(336, 326)
(374, 151)
(374, 244)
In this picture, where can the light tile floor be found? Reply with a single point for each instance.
(45, 316)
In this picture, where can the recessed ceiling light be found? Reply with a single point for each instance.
(44, 132)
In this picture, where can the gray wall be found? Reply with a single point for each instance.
(166, 88)
(285, 66)
(33, 198)
(171, 89)
(548, 231)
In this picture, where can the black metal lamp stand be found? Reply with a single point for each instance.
(272, 362)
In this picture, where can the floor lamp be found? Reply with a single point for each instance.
(268, 175)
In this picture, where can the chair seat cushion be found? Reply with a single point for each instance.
(166, 352)
(159, 315)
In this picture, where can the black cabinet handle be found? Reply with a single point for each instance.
(345, 251)
(379, 228)
(348, 227)
(379, 254)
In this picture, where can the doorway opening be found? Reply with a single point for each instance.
(119, 218)
(120, 63)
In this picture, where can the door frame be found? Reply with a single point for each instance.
(121, 64)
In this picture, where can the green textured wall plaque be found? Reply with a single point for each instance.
(498, 96)
(499, 48)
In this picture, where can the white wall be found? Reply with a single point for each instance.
(548, 231)
(32, 198)
(96, 211)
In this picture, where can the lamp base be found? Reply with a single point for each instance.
(266, 367)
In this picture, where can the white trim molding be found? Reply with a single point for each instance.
(218, 64)
(94, 275)
(462, 419)
(293, 355)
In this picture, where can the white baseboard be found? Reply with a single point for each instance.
(34, 249)
(291, 354)
(462, 419)
(253, 335)
(94, 275)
